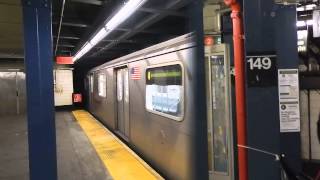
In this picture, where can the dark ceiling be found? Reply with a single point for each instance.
(154, 22)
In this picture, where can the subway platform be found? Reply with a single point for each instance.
(85, 150)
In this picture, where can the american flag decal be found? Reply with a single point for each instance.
(135, 73)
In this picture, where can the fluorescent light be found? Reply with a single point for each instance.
(128, 9)
(300, 43)
(86, 48)
(310, 22)
(310, 6)
(76, 57)
(300, 9)
(302, 34)
(124, 13)
(302, 48)
(99, 36)
(301, 23)
(83, 51)
(305, 23)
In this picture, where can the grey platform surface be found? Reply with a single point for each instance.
(77, 159)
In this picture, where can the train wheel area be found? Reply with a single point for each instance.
(119, 160)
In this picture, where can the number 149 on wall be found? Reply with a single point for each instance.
(259, 63)
(261, 70)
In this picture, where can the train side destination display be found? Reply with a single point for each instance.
(261, 70)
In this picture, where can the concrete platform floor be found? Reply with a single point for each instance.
(77, 159)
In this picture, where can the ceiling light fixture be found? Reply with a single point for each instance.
(99, 36)
(300, 8)
(310, 7)
(305, 23)
(123, 14)
(301, 23)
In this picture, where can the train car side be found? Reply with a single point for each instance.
(165, 140)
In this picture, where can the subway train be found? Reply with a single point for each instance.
(149, 98)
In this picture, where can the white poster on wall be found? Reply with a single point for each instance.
(289, 111)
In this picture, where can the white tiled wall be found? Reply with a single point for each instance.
(63, 88)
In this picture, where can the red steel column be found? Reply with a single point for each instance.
(241, 116)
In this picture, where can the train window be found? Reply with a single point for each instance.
(164, 91)
(119, 85)
(102, 82)
(91, 83)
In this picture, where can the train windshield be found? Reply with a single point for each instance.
(164, 90)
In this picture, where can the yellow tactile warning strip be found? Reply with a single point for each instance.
(121, 162)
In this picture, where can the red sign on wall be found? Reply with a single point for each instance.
(77, 98)
(208, 41)
(64, 60)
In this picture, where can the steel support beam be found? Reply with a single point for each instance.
(273, 34)
(125, 41)
(82, 25)
(68, 37)
(141, 31)
(173, 5)
(39, 79)
(287, 53)
(72, 24)
(59, 28)
(198, 87)
(66, 45)
(163, 11)
(92, 2)
(65, 51)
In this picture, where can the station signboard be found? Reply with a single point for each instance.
(261, 70)
(77, 98)
(64, 60)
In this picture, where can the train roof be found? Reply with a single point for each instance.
(178, 43)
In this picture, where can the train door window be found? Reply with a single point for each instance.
(123, 124)
(102, 85)
(91, 83)
(119, 85)
(164, 91)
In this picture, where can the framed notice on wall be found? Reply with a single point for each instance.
(289, 110)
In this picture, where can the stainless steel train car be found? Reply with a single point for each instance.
(148, 99)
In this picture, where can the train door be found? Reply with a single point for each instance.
(123, 102)
(90, 94)
(220, 137)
